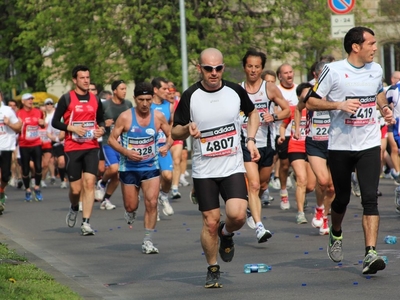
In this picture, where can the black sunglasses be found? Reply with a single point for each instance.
(208, 68)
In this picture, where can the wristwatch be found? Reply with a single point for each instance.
(275, 116)
(250, 139)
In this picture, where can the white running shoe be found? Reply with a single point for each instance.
(130, 217)
(266, 198)
(12, 182)
(186, 173)
(100, 191)
(275, 184)
(80, 206)
(301, 218)
(176, 194)
(324, 229)
(107, 205)
(183, 181)
(249, 220)
(289, 182)
(285, 204)
(263, 234)
(43, 184)
(64, 185)
(318, 219)
(167, 208)
(71, 218)
(148, 248)
(86, 229)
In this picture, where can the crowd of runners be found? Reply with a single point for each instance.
(328, 136)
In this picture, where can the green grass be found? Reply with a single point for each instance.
(20, 279)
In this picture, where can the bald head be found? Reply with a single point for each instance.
(211, 54)
(395, 77)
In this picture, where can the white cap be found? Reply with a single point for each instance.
(27, 96)
(48, 100)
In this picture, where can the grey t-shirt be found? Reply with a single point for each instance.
(112, 110)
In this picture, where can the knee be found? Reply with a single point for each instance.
(167, 176)
(339, 206)
(370, 208)
(254, 185)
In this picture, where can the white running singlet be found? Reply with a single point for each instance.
(290, 96)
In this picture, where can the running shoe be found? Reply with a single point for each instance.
(183, 181)
(324, 229)
(3, 198)
(192, 196)
(186, 174)
(285, 204)
(28, 196)
(86, 229)
(378, 193)
(12, 182)
(226, 245)
(63, 185)
(52, 180)
(395, 176)
(1, 208)
(100, 191)
(266, 198)
(275, 184)
(335, 249)
(167, 208)
(318, 219)
(107, 205)
(148, 248)
(289, 181)
(80, 206)
(301, 218)
(373, 263)
(355, 189)
(43, 184)
(249, 219)
(212, 279)
(175, 194)
(20, 183)
(38, 195)
(130, 217)
(71, 217)
(263, 234)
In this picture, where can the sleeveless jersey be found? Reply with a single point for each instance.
(217, 153)
(318, 123)
(164, 107)
(300, 144)
(340, 81)
(265, 136)
(29, 136)
(142, 140)
(290, 96)
(81, 112)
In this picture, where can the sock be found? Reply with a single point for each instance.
(148, 234)
(85, 220)
(216, 264)
(284, 192)
(336, 233)
(321, 207)
(225, 232)
(259, 225)
(368, 248)
(163, 195)
(174, 187)
(106, 197)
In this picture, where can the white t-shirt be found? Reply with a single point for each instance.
(7, 135)
(340, 81)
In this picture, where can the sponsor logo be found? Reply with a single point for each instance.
(150, 131)
(141, 141)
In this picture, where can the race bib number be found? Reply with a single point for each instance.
(262, 108)
(365, 114)
(2, 127)
(146, 146)
(43, 135)
(302, 127)
(89, 135)
(320, 126)
(220, 141)
(32, 132)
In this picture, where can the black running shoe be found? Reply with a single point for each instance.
(213, 277)
(226, 244)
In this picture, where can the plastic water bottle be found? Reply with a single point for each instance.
(256, 268)
(397, 196)
(390, 239)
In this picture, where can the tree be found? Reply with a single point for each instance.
(139, 39)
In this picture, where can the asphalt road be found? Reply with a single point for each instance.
(110, 264)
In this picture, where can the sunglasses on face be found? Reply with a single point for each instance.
(208, 68)
(49, 103)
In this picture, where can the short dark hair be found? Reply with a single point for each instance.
(156, 82)
(78, 68)
(327, 58)
(355, 36)
(254, 52)
(143, 88)
(103, 94)
(268, 72)
(301, 87)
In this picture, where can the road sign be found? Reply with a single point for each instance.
(340, 24)
(341, 6)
